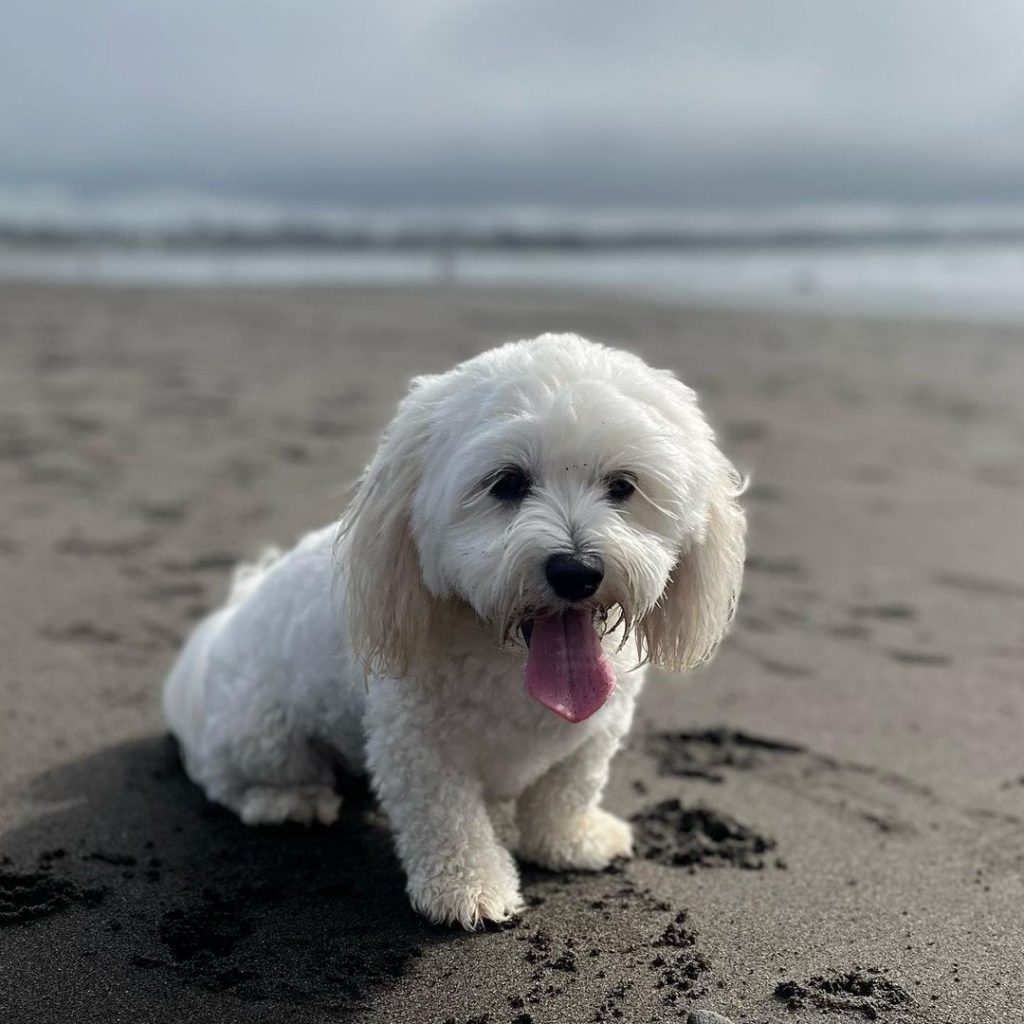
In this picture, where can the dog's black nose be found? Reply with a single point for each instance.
(574, 577)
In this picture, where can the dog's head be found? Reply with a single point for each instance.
(559, 489)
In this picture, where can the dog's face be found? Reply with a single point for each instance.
(551, 481)
(560, 481)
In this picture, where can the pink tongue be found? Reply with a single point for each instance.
(566, 670)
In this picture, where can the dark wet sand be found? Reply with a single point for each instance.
(831, 816)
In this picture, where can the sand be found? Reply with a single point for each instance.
(831, 815)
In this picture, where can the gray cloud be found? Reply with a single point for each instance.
(462, 100)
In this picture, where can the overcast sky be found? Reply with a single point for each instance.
(518, 100)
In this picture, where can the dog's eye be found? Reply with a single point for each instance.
(510, 485)
(620, 488)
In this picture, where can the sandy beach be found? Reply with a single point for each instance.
(830, 816)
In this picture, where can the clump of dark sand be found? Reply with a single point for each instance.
(678, 934)
(698, 837)
(545, 954)
(611, 1006)
(867, 992)
(682, 968)
(26, 896)
(700, 755)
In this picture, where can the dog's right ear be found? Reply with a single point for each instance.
(388, 608)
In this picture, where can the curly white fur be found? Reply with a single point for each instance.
(390, 639)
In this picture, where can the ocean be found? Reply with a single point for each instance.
(963, 261)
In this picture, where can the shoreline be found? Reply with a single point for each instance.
(960, 284)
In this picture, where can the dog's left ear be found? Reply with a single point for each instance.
(690, 620)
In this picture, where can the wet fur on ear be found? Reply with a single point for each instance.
(691, 618)
(390, 613)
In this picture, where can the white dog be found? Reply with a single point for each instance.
(536, 525)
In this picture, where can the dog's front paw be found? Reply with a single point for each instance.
(588, 842)
(467, 894)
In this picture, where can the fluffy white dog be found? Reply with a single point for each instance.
(537, 525)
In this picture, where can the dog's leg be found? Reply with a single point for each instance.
(503, 819)
(560, 823)
(457, 871)
(268, 772)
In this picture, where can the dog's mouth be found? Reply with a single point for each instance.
(566, 668)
